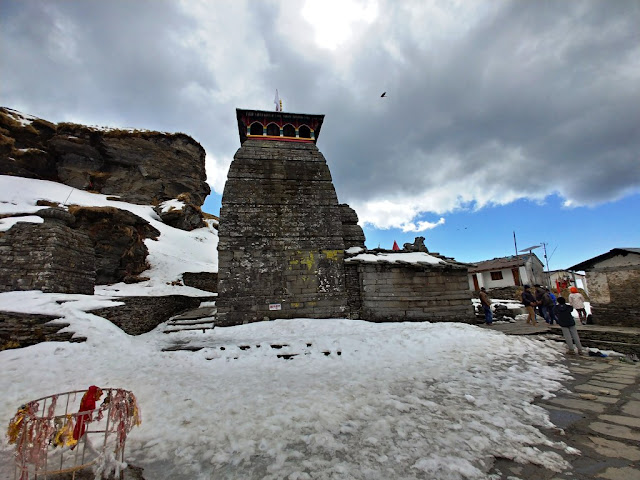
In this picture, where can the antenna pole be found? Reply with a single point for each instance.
(546, 260)
(515, 244)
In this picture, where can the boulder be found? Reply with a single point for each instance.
(181, 213)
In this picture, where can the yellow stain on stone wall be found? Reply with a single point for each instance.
(308, 260)
(331, 254)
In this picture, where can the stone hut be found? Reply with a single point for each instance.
(288, 249)
(409, 286)
(614, 283)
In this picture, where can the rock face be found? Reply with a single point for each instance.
(185, 216)
(138, 166)
(118, 239)
(281, 238)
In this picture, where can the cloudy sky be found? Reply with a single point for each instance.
(499, 116)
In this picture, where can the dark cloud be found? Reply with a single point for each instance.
(486, 104)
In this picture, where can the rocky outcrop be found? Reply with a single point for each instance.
(141, 167)
(183, 214)
(118, 239)
(73, 251)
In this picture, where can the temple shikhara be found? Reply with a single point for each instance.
(287, 248)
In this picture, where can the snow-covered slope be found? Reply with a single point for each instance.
(175, 252)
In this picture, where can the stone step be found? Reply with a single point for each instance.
(187, 328)
(181, 348)
(196, 313)
(191, 322)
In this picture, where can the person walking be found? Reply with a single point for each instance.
(544, 303)
(577, 301)
(568, 326)
(529, 302)
(485, 301)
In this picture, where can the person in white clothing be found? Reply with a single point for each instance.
(576, 300)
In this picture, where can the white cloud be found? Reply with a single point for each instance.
(335, 22)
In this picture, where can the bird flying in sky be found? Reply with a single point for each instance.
(384, 94)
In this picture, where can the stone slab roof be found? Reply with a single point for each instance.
(422, 259)
(611, 253)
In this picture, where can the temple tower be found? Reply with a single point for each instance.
(282, 233)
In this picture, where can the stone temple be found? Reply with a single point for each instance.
(282, 232)
(288, 249)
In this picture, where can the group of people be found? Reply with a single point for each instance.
(551, 308)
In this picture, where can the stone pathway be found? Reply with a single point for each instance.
(599, 414)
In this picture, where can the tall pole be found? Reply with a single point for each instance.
(546, 260)
(515, 244)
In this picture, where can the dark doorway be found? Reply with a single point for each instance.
(476, 286)
(516, 275)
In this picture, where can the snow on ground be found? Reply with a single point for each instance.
(402, 400)
(174, 253)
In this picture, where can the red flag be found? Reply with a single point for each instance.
(87, 405)
(395, 246)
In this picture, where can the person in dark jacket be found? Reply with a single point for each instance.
(486, 306)
(529, 302)
(568, 325)
(544, 303)
(554, 300)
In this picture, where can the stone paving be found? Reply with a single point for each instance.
(597, 413)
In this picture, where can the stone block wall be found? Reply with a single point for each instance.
(281, 240)
(407, 292)
(140, 315)
(19, 330)
(615, 296)
(47, 256)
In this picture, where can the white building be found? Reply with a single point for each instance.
(567, 278)
(507, 272)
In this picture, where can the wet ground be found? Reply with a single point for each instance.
(597, 413)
